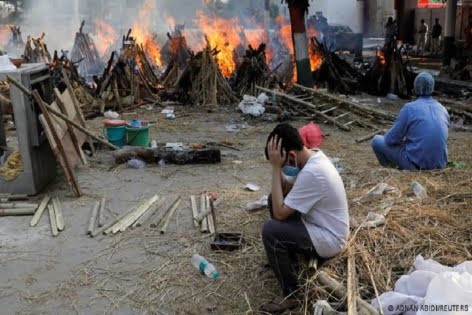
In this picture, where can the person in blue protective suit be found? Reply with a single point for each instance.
(418, 139)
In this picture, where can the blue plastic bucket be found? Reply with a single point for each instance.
(116, 135)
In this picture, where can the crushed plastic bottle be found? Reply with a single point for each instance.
(136, 164)
(204, 266)
(419, 190)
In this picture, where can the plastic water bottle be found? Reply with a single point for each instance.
(419, 190)
(204, 266)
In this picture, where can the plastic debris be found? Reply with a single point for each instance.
(111, 115)
(252, 187)
(259, 204)
(253, 106)
(136, 164)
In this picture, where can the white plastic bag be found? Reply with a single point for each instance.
(452, 290)
(6, 64)
(429, 265)
(394, 303)
(415, 283)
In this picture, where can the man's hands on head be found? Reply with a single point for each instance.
(277, 156)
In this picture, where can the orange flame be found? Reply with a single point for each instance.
(381, 57)
(222, 35)
(142, 34)
(106, 37)
(4, 35)
(315, 60)
(285, 32)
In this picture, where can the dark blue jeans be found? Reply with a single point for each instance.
(391, 156)
(282, 240)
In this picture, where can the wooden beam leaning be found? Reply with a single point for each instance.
(309, 105)
(62, 116)
(58, 212)
(73, 135)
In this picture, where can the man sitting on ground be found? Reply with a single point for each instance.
(418, 139)
(312, 219)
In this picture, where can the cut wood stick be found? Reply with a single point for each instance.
(162, 214)
(124, 223)
(203, 215)
(16, 212)
(211, 224)
(193, 201)
(204, 225)
(339, 291)
(106, 229)
(12, 197)
(351, 284)
(169, 216)
(93, 217)
(370, 136)
(39, 212)
(58, 212)
(18, 205)
(148, 214)
(306, 104)
(52, 220)
(101, 212)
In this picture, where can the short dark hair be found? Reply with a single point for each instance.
(291, 139)
(422, 21)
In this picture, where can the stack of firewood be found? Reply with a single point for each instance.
(176, 54)
(335, 73)
(85, 53)
(251, 72)
(389, 74)
(202, 82)
(36, 51)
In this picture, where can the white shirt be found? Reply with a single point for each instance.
(318, 193)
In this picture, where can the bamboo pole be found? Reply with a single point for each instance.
(101, 211)
(339, 291)
(124, 223)
(16, 212)
(148, 214)
(169, 217)
(369, 136)
(106, 228)
(163, 213)
(193, 201)
(211, 224)
(93, 217)
(39, 212)
(52, 219)
(204, 225)
(349, 103)
(18, 205)
(58, 212)
(351, 285)
(306, 104)
(12, 197)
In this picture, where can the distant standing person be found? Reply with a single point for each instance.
(422, 32)
(390, 30)
(435, 37)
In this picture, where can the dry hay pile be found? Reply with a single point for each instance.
(438, 228)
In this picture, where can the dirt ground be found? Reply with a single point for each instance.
(142, 272)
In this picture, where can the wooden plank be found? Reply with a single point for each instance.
(329, 110)
(101, 212)
(351, 284)
(162, 214)
(148, 214)
(204, 224)
(58, 212)
(211, 224)
(193, 201)
(124, 223)
(39, 212)
(70, 129)
(76, 104)
(17, 212)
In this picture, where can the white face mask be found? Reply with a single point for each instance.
(289, 179)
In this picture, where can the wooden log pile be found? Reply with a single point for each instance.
(202, 83)
(251, 72)
(334, 73)
(85, 53)
(128, 76)
(36, 51)
(389, 74)
(176, 54)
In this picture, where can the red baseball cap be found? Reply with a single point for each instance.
(312, 135)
